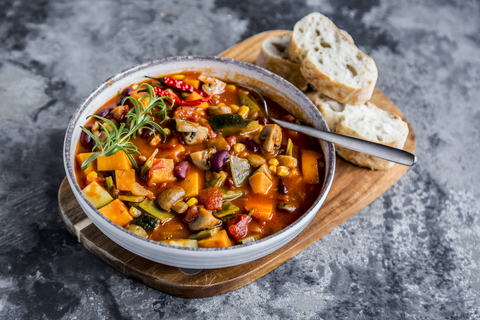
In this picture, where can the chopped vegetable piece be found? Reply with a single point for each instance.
(204, 220)
(191, 184)
(251, 126)
(124, 179)
(239, 227)
(180, 207)
(266, 170)
(272, 135)
(222, 121)
(249, 239)
(262, 207)
(256, 160)
(139, 231)
(216, 179)
(161, 171)
(219, 240)
(82, 157)
(245, 100)
(215, 110)
(205, 233)
(287, 161)
(260, 183)
(212, 85)
(240, 170)
(310, 166)
(289, 151)
(97, 196)
(117, 161)
(187, 243)
(146, 221)
(201, 159)
(137, 190)
(167, 199)
(211, 198)
(286, 206)
(193, 82)
(231, 194)
(282, 171)
(149, 163)
(131, 198)
(228, 209)
(196, 97)
(151, 208)
(117, 212)
(243, 111)
(134, 212)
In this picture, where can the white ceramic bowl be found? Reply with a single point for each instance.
(269, 84)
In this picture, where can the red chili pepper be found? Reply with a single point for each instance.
(178, 102)
(178, 84)
(239, 228)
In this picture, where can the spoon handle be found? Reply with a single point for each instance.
(374, 149)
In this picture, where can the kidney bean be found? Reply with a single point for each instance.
(191, 214)
(282, 187)
(263, 121)
(180, 170)
(146, 134)
(84, 137)
(252, 145)
(219, 159)
(126, 93)
(103, 112)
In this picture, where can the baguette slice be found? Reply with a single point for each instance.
(367, 122)
(331, 62)
(273, 56)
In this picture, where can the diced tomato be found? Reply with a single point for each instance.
(239, 227)
(232, 140)
(211, 198)
(191, 214)
(186, 113)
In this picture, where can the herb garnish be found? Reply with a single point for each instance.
(139, 118)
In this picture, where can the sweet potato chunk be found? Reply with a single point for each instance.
(118, 161)
(219, 240)
(310, 166)
(124, 179)
(81, 157)
(161, 171)
(191, 184)
(262, 207)
(260, 183)
(117, 211)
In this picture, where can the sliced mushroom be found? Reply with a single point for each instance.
(256, 160)
(272, 135)
(212, 85)
(185, 125)
(201, 159)
(264, 168)
(196, 136)
(215, 110)
(204, 220)
(169, 197)
(287, 161)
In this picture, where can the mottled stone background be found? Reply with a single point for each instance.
(414, 253)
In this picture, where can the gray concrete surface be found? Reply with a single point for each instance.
(414, 253)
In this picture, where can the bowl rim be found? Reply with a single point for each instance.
(329, 174)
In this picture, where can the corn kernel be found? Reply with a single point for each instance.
(231, 87)
(92, 176)
(243, 111)
(155, 140)
(244, 155)
(260, 128)
(273, 169)
(192, 202)
(234, 108)
(273, 162)
(239, 147)
(134, 212)
(178, 77)
(167, 131)
(142, 158)
(221, 104)
(282, 171)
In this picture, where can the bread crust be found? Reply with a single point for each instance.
(285, 68)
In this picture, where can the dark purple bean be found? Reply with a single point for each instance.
(219, 159)
(263, 121)
(84, 137)
(146, 134)
(103, 112)
(282, 188)
(126, 93)
(180, 170)
(252, 145)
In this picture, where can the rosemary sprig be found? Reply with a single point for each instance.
(140, 117)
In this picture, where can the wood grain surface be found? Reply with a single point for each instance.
(353, 189)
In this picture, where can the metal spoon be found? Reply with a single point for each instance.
(374, 149)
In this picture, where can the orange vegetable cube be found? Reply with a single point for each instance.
(310, 166)
(260, 183)
(193, 82)
(118, 161)
(196, 96)
(124, 179)
(262, 207)
(219, 240)
(135, 94)
(161, 171)
(191, 184)
(117, 212)
(81, 157)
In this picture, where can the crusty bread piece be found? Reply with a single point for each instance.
(331, 62)
(273, 56)
(367, 122)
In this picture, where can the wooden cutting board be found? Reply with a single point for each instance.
(353, 188)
